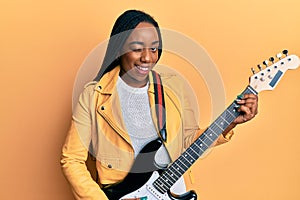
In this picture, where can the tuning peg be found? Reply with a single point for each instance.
(270, 76)
(253, 71)
(285, 52)
(279, 55)
(266, 63)
(259, 67)
(271, 59)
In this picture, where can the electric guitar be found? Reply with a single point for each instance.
(145, 181)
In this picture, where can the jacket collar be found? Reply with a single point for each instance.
(108, 82)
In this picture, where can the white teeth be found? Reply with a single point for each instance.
(142, 68)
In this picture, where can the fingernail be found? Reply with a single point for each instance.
(237, 106)
(240, 96)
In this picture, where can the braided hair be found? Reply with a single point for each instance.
(120, 32)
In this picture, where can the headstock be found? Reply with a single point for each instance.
(268, 78)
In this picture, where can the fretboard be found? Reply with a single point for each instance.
(167, 179)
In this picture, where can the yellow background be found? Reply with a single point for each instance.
(43, 44)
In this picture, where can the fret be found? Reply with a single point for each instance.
(211, 128)
(197, 154)
(181, 160)
(220, 128)
(220, 124)
(212, 132)
(166, 176)
(232, 111)
(174, 171)
(208, 137)
(202, 142)
(189, 157)
(159, 185)
(224, 121)
(214, 129)
(167, 183)
(191, 154)
(188, 160)
(169, 179)
(178, 168)
(170, 176)
(199, 148)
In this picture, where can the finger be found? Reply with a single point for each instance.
(240, 119)
(253, 107)
(246, 112)
(243, 102)
(247, 98)
(252, 103)
(252, 96)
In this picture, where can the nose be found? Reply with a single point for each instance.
(146, 55)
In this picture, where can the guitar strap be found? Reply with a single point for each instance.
(160, 105)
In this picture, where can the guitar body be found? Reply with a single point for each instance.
(137, 185)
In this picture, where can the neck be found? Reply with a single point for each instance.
(134, 82)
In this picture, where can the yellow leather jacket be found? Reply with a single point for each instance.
(97, 124)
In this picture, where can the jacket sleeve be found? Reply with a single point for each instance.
(75, 151)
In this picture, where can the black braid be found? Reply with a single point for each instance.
(120, 32)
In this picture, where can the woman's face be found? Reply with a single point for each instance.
(139, 54)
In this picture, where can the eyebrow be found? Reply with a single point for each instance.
(142, 43)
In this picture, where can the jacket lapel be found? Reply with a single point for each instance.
(108, 105)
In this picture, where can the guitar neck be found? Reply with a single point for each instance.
(192, 153)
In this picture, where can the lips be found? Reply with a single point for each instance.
(143, 69)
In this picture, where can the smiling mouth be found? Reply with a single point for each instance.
(143, 70)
